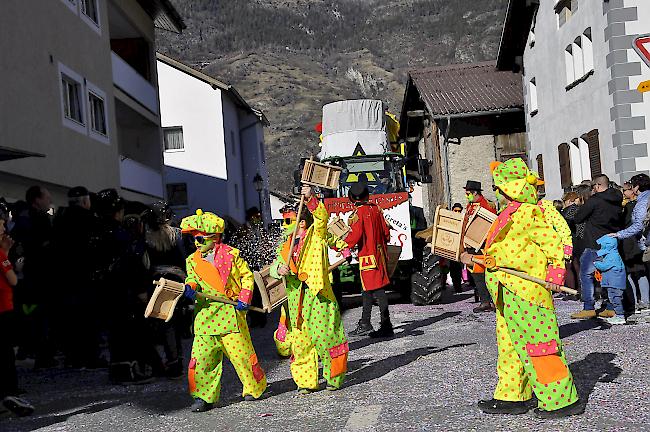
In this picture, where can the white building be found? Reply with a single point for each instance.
(79, 88)
(214, 144)
(584, 114)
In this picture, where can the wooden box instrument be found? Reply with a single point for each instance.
(166, 295)
(447, 236)
(273, 291)
(339, 228)
(321, 175)
(477, 226)
(164, 299)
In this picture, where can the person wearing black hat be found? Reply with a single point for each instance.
(74, 227)
(370, 234)
(475, 199)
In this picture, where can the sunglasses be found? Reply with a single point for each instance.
(288, 221)
(203, 239)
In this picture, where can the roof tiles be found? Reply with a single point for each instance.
(468, 88)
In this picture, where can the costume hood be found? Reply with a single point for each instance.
(202, 223)
(514, 179)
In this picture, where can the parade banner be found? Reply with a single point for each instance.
(396, 211)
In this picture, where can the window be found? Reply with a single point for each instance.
(565, 9)
(531, 34)
(97, 113)
(72, 105)
(532, 87)
(579, 60)
(568, 63)
(578, 64)
(89, 8)
(173, 137)
(587, 51)
(565, 165)
(591, 138)
(177, 194)
(90, 13)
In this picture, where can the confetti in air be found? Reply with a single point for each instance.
(257, 245)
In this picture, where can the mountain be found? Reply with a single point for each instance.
(290, 57)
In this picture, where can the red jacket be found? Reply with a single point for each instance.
(370, 233)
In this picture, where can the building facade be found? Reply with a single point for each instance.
(460, 118)
(80, 89)
(584, 114)
(214, 145)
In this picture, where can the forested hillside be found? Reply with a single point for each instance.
(289, 57)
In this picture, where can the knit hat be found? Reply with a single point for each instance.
(515, 180)
(202, 223)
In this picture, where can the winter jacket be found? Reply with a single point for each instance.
(609, 263)
(603, 214)
(638, 215)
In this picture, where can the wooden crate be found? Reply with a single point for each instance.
(321, 175)
(272, 291)
(339, 228)
(164, 299)
(447, 236)
(477, 226)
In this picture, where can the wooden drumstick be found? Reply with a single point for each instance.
(490, 263)
(180, 288)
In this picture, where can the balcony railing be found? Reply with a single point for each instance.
(140, 178)
(132, 83)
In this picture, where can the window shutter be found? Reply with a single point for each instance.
(540, 171)
(591, 138)
(565, 165)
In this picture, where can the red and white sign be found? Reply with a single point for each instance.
(396, 212)
(642, 47)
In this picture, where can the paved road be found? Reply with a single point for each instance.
(429, 377)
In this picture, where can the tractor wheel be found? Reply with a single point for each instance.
(426, 285)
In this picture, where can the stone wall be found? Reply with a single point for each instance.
(471, 161)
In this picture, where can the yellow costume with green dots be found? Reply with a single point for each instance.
(314, 321)
(531, 356)
(219, 329)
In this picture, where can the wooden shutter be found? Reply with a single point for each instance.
(565, 165)
(540, 171)
(591, 138)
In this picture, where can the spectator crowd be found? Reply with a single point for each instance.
(76, 283)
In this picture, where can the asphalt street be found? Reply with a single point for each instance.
(428, 377)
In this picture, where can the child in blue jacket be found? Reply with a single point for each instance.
(611, 266)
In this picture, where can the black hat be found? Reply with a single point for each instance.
(473, 185)
(457, 205)
(158, 213)
(358, 192)
(109, 201)
(77, 192)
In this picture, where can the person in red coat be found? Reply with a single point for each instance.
(370, 234)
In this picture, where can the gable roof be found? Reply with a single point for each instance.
(466, 89)
(215, 83)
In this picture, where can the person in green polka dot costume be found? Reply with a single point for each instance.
(314, 316)
(531, 356)
(219, 329)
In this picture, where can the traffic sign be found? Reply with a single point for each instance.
(642, 47)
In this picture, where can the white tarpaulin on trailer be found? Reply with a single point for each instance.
(351, 122)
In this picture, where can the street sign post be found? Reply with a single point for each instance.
(641, 45)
